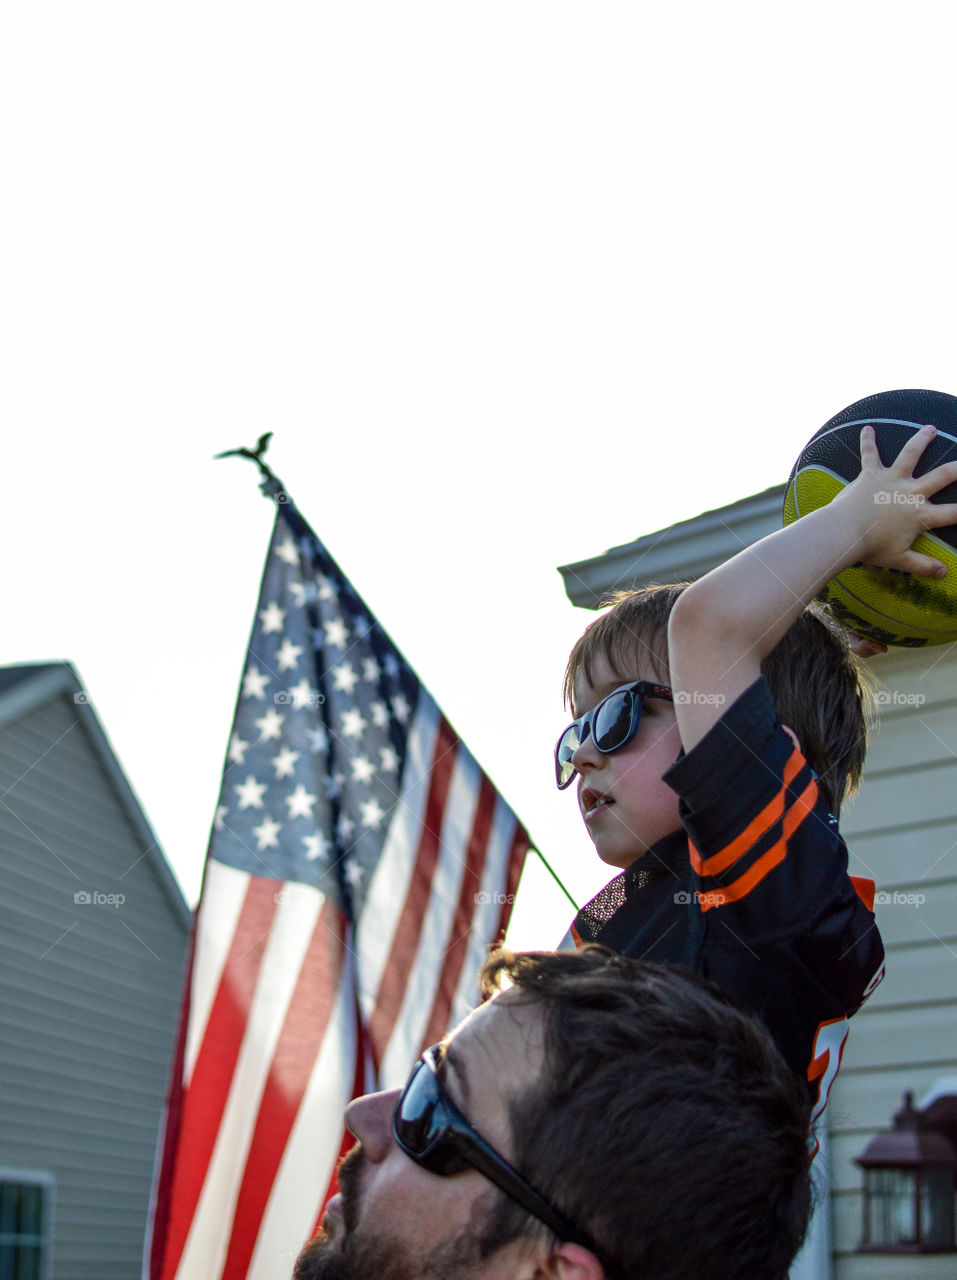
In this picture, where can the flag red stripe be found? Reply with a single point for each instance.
(172, 1131)
(402, 954)
(520, 847)
(305, 1024)
(205, 1099)
(457, 947)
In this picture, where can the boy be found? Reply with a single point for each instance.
(731, 859)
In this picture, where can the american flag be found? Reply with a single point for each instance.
(359, 865)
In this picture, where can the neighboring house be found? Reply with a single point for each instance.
(901, 830)
(93, 937)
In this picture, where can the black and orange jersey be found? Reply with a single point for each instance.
(753, 892)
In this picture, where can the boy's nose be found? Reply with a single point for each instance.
(586, 756)
(370, 1119)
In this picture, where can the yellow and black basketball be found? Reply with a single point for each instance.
(885, 604)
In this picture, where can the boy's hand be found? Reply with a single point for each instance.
(726, 623)
(891, 507)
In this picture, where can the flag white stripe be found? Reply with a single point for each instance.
(288, 942)
(488, 908)
(224, 891)
(313, 1146)
(393, 873)
(434, 933)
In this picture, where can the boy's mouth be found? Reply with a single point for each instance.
(592, 800)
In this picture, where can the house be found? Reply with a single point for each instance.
(901, 831)
(93, 938)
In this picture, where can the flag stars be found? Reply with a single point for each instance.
(237, 749)
(305, 593)
(389, 761)
(272, 618)
(327, 590)
(219, 821)
(318, 739)
(318, 847)
(288, 655)
(254, 684)
(302, 694)
(288, 552)
(371, 813)
(400, 708)
(250, 793)
(354, 873)
(391, 666)
(285, 763)
(371, 670)
(345, 827)
(300, 803)
(352, 723)
(363, 769)
(267, 834)
(380, 714)
(270, 725)
(337, 633)
(344, 677)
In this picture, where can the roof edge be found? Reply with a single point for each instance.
(680, 551)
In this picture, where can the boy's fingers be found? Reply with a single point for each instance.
(869, 454)
(921, 565)
(913, 450)
(940, 477)
(938, 515)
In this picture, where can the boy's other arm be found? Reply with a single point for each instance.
(727, 622)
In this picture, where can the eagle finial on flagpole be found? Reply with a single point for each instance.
(271, 485)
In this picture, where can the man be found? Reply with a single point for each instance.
(601, 1119)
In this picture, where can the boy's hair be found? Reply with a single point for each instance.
(819, 688)
(665, 1122)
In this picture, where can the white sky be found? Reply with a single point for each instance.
(511, 282)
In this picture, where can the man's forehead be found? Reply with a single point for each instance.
(498, 1048)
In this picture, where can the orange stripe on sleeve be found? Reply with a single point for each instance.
(756, 828)
(865, 890)
(741, 887)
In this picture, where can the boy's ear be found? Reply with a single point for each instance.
(794, 738)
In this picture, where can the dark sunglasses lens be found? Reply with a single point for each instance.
(567, 746)
(421, 1122)
(613, 721)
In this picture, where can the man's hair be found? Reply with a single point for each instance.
(665, 1123)
(820, 690)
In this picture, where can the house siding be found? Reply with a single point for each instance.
(89, 992)
(902, 831)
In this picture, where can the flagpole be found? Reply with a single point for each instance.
(273, 488)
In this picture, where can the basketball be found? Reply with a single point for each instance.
(887, 605)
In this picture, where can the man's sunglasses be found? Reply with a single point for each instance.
(612, 724)
(431, 1130)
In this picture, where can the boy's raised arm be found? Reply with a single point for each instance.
(726, 623)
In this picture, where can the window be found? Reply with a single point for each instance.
(25, 1203)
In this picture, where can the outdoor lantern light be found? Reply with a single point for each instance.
(909, 1182)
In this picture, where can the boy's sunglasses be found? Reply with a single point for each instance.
(612, 725)
(433, 1132)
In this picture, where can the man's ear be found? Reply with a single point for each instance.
(573, 1262)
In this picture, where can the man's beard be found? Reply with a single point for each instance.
(359, 1254)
